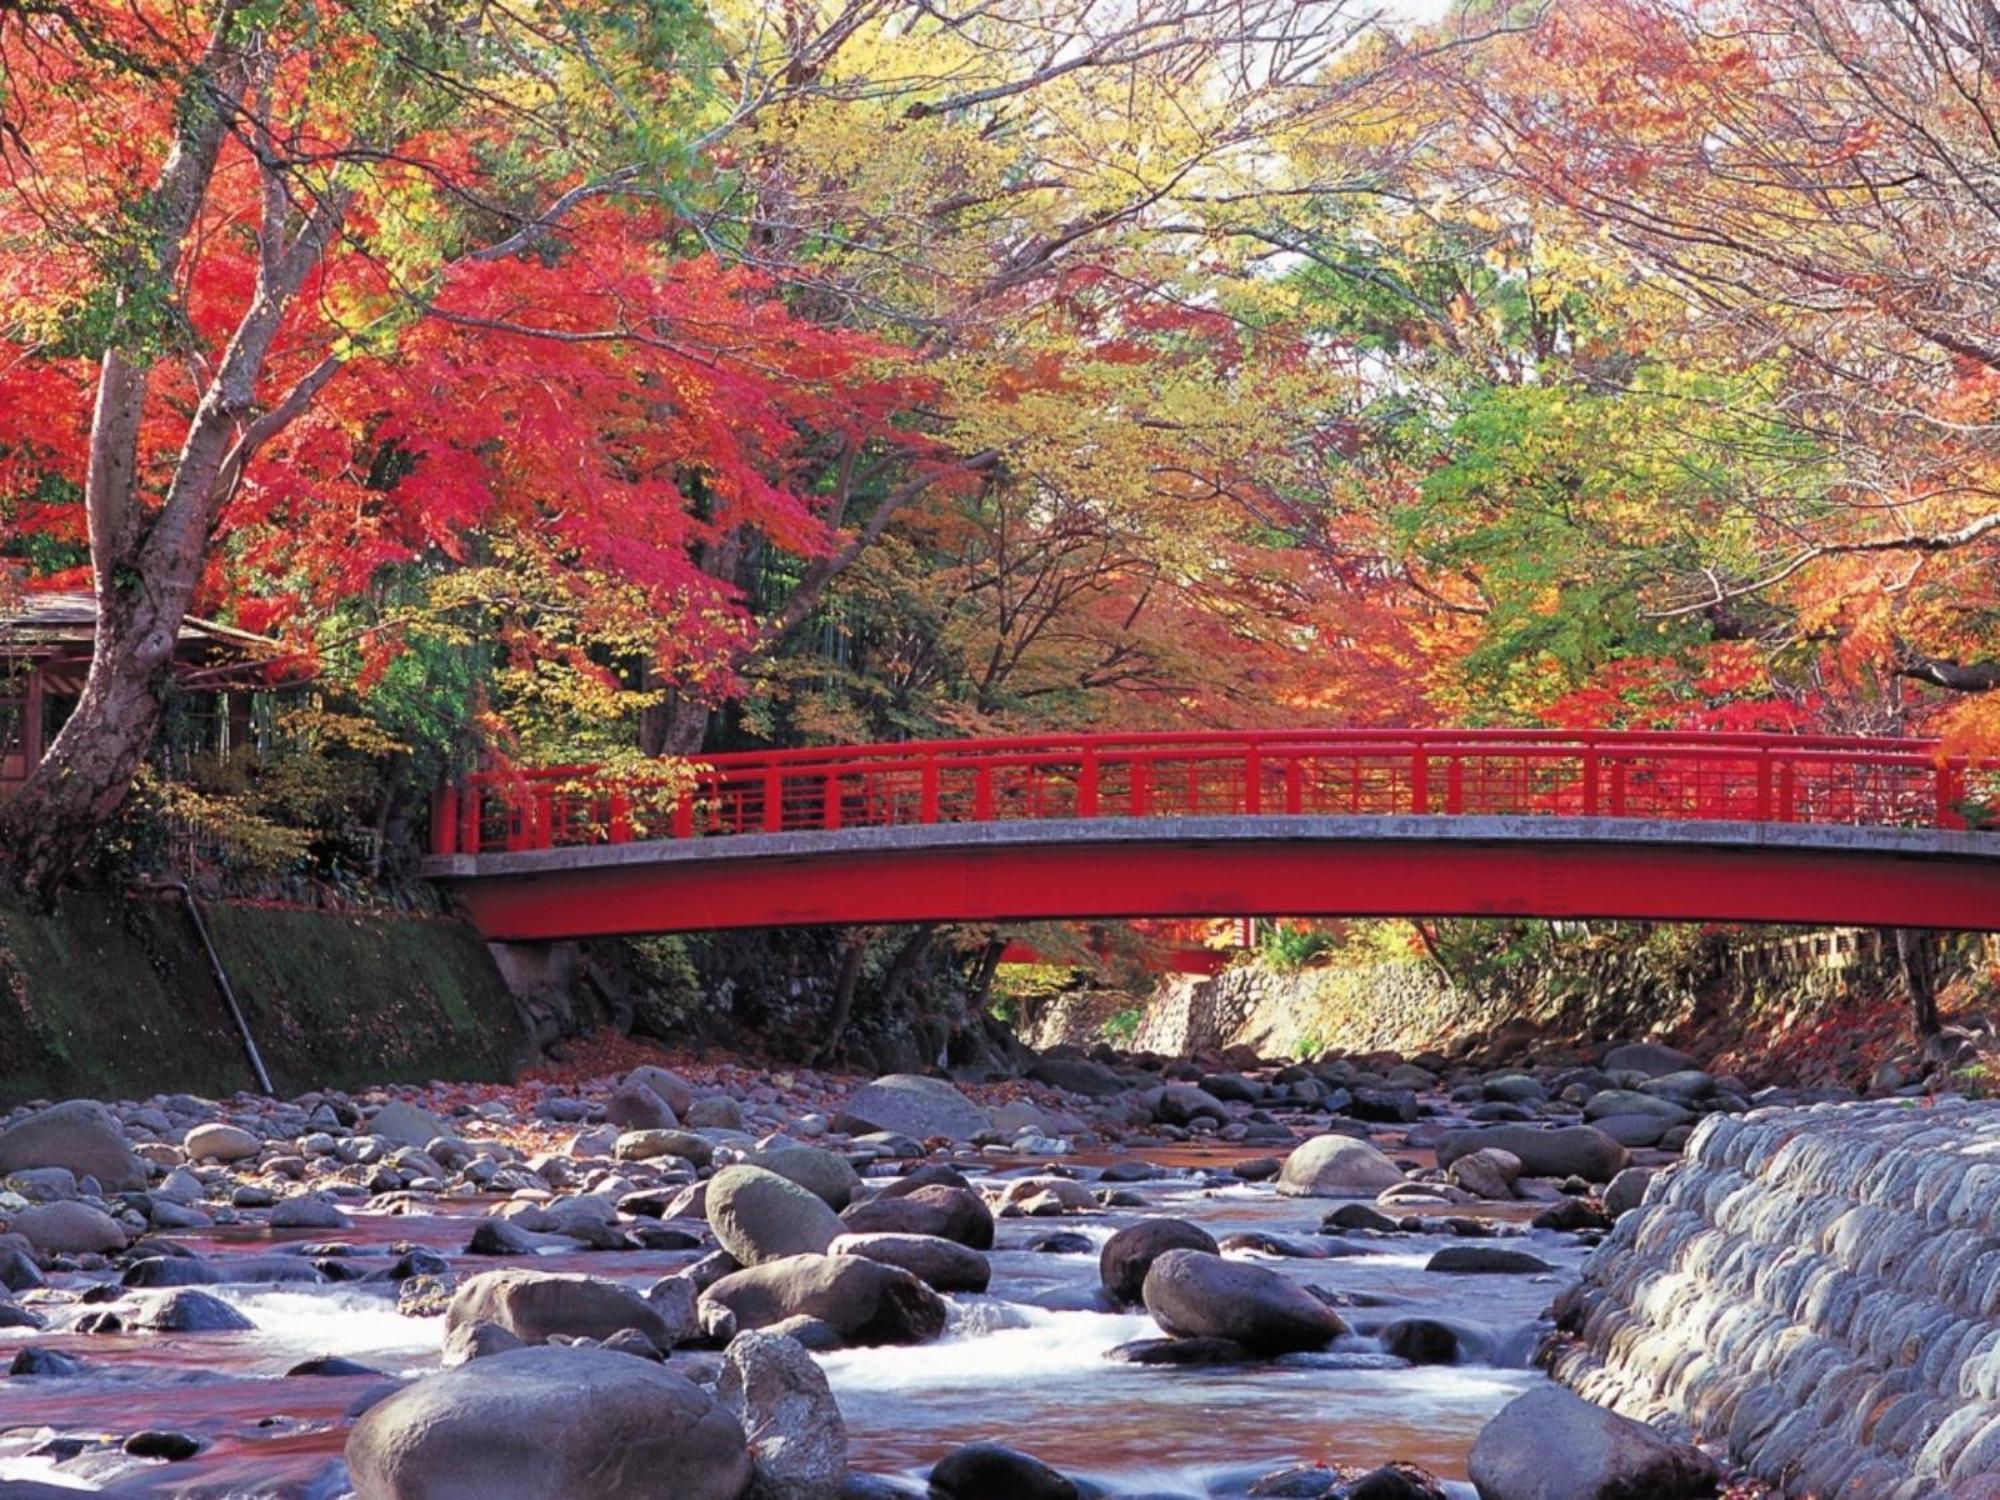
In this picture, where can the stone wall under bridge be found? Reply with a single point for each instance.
(1820, 1289)
(1403, 1005)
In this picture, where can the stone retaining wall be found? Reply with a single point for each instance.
(1820, 1290)
(1402, 1005)
(114, 997)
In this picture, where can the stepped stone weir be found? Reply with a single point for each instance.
(1820, 1289)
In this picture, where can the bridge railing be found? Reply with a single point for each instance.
(1510, 773)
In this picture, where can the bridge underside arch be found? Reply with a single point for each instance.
(1200, 867)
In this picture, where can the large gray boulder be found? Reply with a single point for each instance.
(944, 1265)
(1650, 1058)
(186, 1310)
(79, 1134)
(949, 1213)
(68, 1228)
(1129, 1254)
(987, 1471)
(1194, 1295)
(759, 1216)
(650, 1145)
(715, 1112)
(1337, 1166)
(1079, 1075)
(908, 1104)
(1183, 1104)
(405, 1124)
(1551, 1445)
(1609, 1102)
(536, 1306)
(633, 1106)
(1627, 1191)
(1566, 1151)
(1486, 1174)
(673, 1089)
(798, 1442)
(862, 1300)
(549, 1424)
(217, 1141)
(309, 1211)
(827, 1176)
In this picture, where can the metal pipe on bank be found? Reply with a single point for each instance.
(193, 909)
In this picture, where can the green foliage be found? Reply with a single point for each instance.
(1570, 502)
(1576, 960)
(1122, 1026)
(249, 840)
(1290, 946)
(305, 798)
(674, 997)
(1018, 989)
(1976, 1080)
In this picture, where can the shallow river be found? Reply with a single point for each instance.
(1023, 1365)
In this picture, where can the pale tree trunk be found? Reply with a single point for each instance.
(844, 985)
(1915, 962)
(677, 725)
(147, 562)
(87, 771)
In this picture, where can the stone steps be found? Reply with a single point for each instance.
(1819, 1288)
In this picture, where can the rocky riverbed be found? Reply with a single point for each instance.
(1120, 1276)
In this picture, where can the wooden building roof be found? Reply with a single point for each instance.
(56, 629)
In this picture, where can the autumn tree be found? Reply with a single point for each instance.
(309, 234)
(220, 207)
(374, 287)
(1812, 181)
(961, 183)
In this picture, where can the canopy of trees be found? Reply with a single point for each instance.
(630, 377)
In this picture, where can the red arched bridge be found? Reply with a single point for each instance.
(1722, 827)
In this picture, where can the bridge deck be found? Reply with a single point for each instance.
(1336, 822)
(1263, 864)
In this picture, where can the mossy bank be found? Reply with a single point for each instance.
(113, 997)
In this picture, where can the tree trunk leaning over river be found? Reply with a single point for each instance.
(208, 290)
(146, 560)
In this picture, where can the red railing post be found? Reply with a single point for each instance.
(1950, 795)
(774, 801)
(444, 818)
(470, 834)
(1817, 779)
